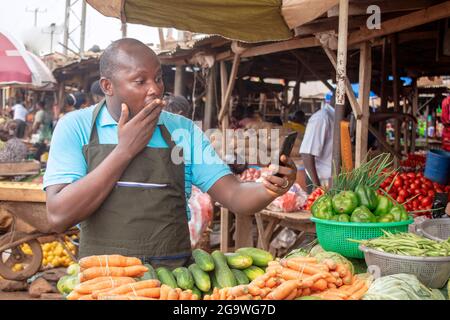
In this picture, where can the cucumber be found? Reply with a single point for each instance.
(184, 278)
(240, 276)
(261, 258)
(238, 260)
(253, 272)
(224, 276)
(166, 277)
(150, 274)
(201, 278)
(196, 291)
(203, 259)
(214, 282)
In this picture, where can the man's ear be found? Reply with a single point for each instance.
(106, 86)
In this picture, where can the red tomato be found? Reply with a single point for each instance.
(423, 192)
(411, 175)
(400, 199)
(426, 202)
(430, 193)
(439, 190)
(398, 183)
(416, 191)
(403, 193)
(393, 195)
(413, 186)
(417, 181)
(420, 197)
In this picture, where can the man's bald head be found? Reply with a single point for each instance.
(118, 53)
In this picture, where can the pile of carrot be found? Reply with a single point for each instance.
(288, 279)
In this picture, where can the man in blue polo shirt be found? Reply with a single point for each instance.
(115, 167)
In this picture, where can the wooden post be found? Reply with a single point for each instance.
(229, 91)
(210, 99)
(362, 125)
(395, 84)
(405, 128)
(384, 93)
(224, 213)
(415, 105)
(179, 86)
(341, 66)
(61, 96)
(427, 112)
(162, 41)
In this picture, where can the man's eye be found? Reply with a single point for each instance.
(140, 81)
(158, 79)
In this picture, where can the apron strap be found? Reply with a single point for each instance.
(166, 136)
(93, 138)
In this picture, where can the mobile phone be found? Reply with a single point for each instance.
(287, 146)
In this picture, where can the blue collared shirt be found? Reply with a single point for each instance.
(67, 164)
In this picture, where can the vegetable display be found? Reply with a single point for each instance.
(408, 244)
(313, 197)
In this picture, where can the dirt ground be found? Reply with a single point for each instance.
(18, 295)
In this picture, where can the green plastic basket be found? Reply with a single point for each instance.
(333, 235)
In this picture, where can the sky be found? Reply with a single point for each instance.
(100, 30)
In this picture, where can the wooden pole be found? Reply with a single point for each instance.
(210, 99)
(341, 66)
(311, 69)
(231, 82)
(405, 128)
(179, 87)
(384, 93)
(162, 41)
(362, 125)
(396, 95)
(415, 105)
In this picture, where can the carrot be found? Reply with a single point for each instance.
(272, 282)
(86, 297)
(73, 295)
(331, 264)
(129, 287)
(335, 274)
(207, 297)
(195, 297)
(319, 285)
(260, 282)
(114, 260)
(299, 293)
(215, 295)
(148, 292)
(331, 285)
(308, 282)
(173, 294)
(302, 267)
(239, 290)
(306, 292)
(348, 279)
(339, 282)
(164, 293)
(109, 282)
(330, 296)
(357, 295)
(186, 295)
(283, 290)
(292, 295)
(303, 259)
(124, 297)
(223, 294)
(265, 291)
(254, 290)
(355, 287)
(94, 272)
(331, 279)
(245, 297)
(341, 269)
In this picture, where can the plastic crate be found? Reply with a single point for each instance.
(334, 235)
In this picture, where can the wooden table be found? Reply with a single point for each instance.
(275, 221)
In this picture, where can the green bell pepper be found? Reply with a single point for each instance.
(345, 202)
(322, 208)
(367, 197)
(343, 218)
(384, 206)
(386, 218)
(399, 213)
(362, 214)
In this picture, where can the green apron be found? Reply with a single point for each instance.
(148, 223)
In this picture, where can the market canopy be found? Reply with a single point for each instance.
(19, 67)
(243, 20)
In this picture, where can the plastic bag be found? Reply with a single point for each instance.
(291, 201)
(285, 239)
(201, 207)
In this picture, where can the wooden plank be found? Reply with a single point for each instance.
(405, 128)
(408, 21)
(230, 87)
(281, 46)
(224, 229)
(262, 241)
(384, 94)
(244, 228)
(360, 7)
(22, 191)
(365, 73)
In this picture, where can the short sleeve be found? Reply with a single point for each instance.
(314, 138)
(66, 162)
(206, 166)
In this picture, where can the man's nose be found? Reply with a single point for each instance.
(154, 90)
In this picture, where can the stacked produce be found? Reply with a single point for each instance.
(408, 244)
(414, 190)
(361, 205)
(414, 162)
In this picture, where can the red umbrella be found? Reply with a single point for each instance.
(19, 67)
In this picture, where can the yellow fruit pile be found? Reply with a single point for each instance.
(54, 254)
